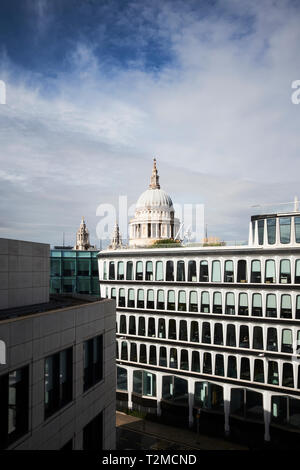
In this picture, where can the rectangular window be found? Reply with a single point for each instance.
(93, 434)
(285, 229)
(93, 361)
(58, 377)
(271, 229)
(261, 225)
(14, 406)
(297, 229)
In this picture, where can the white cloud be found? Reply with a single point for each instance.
(219, 118)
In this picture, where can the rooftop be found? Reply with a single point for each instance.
(56, 302)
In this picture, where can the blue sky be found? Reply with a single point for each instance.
(96, 88)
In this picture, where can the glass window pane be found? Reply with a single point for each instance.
(285, 229)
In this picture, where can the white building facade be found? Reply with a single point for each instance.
(209, 336)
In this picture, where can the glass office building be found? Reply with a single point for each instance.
(74, 271)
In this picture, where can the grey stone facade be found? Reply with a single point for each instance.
(24, 273)
(32, 338)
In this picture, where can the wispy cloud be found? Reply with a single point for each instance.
(205, 90)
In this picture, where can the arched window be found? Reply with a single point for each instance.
(111, 270)
(287, 341)
(231, 368)
(297, 270)
(230, 337)
(216, 271)
(219, 367)
(258, 342)
(124, 351)
(140, 298)
(207, 366)
(271, 307)
(298, 306)
(245, 369)
(180, 271)
(161, 328)
(228, 271)
(205, 302)
(287, 375)
(171, 300)
(230, 304)
(285, 229)
(152, 356)
(160, 299)
(286, 306)
(243, 304)
(285, 271)
(259, 375)
(194, 332)
(270, 276)
(206, 337)
(133, 352)
(184, 359)
(204, 271)
(183, 330)
(121, 297)
(272, 343)
(170, 271)
(217, 302)
(123, 324)
(218, 334)
(143, 354)
(139, 271)
(142, 326)
(130, 302)
(181, 301)
(173, 358)
(159, 275)
(255, 271)
(113, 294)
(244, 336)
(192, 271)
(273, 377)
(129, 271)
(172, 329)
(242, 271)
(150, 298)
(256, 305)
(151, 327)
(163, 356)
(149, 271)
(195, 361)
(120, 271)
(122, 378)
(132, 327)
(193, 306)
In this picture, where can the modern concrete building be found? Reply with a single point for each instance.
(24, 273)
(57, 379)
